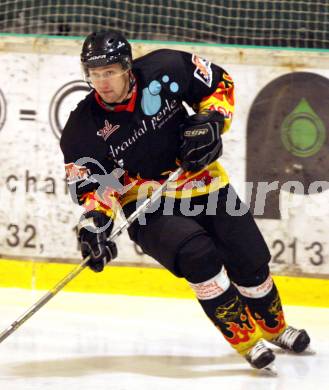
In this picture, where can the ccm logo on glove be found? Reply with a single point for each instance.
(202, 142)
(196, 132)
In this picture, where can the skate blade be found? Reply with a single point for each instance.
(308, 351)
(269, 370)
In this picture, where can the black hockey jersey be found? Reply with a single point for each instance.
(142, 136)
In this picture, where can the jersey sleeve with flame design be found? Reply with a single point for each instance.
(90, 194)
(107, 203)
(221, 100)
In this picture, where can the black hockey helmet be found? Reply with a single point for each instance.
(105, 48)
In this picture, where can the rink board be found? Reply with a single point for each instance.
(152, 282)
(41, 81)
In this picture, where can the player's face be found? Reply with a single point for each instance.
(111, 82)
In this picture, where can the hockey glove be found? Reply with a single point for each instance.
(202, 143)
(93, 232)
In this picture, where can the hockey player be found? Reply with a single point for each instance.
(134, 119)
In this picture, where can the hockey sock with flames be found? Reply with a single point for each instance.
(265, 306)
(222, 303)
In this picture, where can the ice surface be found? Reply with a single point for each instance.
(87, 342)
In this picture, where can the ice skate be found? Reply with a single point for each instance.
(295, 340)
(262, 358)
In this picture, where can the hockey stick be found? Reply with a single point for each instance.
(76, 271)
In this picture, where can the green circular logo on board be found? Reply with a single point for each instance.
(302, 132)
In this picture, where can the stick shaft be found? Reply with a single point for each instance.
(146, 204)
(77, 270)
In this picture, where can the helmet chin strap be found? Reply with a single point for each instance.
(131, 84)
(132, 81)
